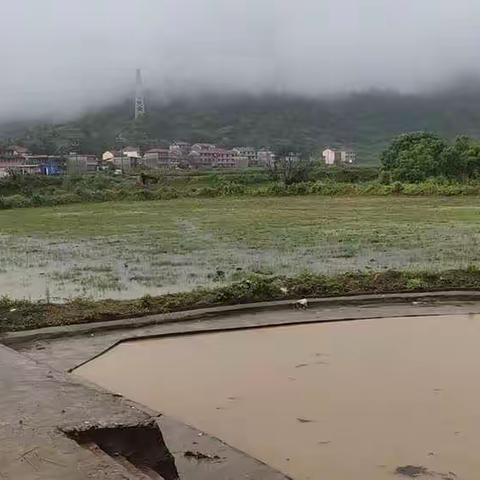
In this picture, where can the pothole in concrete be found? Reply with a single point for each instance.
(140, 449)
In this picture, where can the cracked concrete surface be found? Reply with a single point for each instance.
(35, 403)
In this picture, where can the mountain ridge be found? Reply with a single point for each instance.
(364, 121)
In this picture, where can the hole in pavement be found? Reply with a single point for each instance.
(138, 448)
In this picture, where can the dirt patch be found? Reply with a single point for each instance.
(412, 471)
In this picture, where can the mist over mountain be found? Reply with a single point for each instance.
(364, 121)
(64, 59)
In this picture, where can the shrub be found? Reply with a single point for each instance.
(15, 201)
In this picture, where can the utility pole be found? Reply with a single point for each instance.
(139, 96)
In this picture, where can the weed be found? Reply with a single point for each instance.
(21, 315)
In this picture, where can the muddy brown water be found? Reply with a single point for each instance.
(370, 399)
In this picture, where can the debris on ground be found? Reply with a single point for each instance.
(305, 420)
(301, 365)
(412, 471)
(301, 304)
(202, 456)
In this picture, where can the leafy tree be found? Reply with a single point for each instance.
(461, 159)
(414, 157)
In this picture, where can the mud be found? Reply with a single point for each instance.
(394, 392)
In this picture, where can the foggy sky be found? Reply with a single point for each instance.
(63, 57)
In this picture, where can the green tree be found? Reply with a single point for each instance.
(414, 157)
(461, 159)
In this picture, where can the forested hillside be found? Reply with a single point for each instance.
(365, 122)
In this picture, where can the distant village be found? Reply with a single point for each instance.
(179, 155)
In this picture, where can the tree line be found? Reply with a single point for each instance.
(418, 156)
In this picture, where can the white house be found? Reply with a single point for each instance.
(335, 157)
(330, 156)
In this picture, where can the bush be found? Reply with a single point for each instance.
(15, 201)
(397, 187)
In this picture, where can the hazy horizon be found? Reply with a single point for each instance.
(66, 58)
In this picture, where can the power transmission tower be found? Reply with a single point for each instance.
(139, 96)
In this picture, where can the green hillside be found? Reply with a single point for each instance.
(365, 122)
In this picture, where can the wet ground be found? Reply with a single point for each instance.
(130, 249)
(374, 399)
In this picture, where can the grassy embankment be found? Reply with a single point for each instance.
(236, 249)
(24, 315)
(37, 191)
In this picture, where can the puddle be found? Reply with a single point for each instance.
(376, 399)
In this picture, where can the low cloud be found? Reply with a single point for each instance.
(61, 58)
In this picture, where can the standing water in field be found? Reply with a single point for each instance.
(129, 249)
(370, 399)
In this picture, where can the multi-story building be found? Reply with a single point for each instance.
(224, 158)
(265, 157)
(197, 147)
(157, 158)
(15, 158)
(81, 164)
(204, 155)
(18, 164)
(130, 152)
(48, 164)
(348, 156)
(124, 163)
(337, 157)
(180, 148)
(330, 156)
(201, 155)
(247, 156)
(179, 152)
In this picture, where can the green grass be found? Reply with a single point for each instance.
(137, 248)
(23, 315)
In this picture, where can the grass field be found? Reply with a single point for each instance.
(126, 250)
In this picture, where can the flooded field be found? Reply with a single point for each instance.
(130, 249)
(371, 399)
